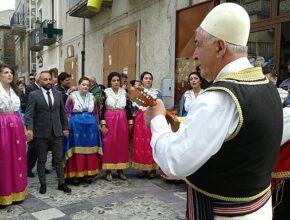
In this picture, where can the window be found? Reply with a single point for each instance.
(284, 50)
(269, 40)
(257, 9)
(284, 7)
(261, 47)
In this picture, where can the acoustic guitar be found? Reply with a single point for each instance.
(143, 98)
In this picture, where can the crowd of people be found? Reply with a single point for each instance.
(86, 127)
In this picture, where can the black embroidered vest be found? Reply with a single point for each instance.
(241, 169)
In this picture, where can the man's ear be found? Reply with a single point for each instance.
(221, 48)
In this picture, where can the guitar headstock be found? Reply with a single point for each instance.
(141, 97)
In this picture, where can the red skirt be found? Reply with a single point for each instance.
(80, 165)
(282, 167)
(116, 141)
(142, 158)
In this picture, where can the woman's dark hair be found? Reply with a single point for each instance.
(84, 78)
(12, 84)
(145, 73)
(110, 77)
(200, 78)
(132, 82)
(20, 82)
(270, 70)
(62, 76)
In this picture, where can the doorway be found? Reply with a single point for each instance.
(187, 21)
(120, 53)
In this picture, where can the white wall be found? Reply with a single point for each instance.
(156, 23)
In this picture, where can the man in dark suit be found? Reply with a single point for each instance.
(31, 152)
(46, 123)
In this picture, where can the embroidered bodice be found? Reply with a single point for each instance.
(115, 101)
(80, 105)
(9, 102)
(189, 98)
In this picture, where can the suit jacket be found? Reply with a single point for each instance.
(30, 88)
(41, 119)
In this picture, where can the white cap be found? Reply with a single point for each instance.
(228, 21)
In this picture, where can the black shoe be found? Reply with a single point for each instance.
(64, 188)
(47, 171)
(30, 174)
(152, 174)
(142, 174)
(42, 189)
(75, 181)
(87, 180)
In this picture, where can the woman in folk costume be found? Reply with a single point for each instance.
(116, 122)
(83, 147)
(142, 158)
(13, 171)
(281, 172)
(195, 81)
(281, 184)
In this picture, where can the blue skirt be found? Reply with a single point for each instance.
(85, 137)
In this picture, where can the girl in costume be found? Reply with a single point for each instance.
(83, 148)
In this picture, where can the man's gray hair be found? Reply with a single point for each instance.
(233, 48)
(92, 78)
(37, 76)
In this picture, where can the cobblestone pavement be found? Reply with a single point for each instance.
(134, 199)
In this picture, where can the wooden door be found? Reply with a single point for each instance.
(70, 66)
(120, 53)
(187, 21)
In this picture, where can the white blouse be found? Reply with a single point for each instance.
(81, 105)
(8, 102)
(189, 98)
(115, 101)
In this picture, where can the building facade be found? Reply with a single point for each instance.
(21, 24)
(7, 46)
(124, 36)
(143, 35)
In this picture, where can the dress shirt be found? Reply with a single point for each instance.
(44, 91)
(286, 125)
(211, 119)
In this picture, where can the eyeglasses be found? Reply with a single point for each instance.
(31, 78)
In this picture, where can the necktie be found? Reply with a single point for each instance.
(49, 100)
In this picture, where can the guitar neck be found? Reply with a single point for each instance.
(171, 118)
(142, 98)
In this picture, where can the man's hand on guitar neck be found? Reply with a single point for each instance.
(151, 112)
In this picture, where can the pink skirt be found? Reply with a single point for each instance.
(13, 165)
(116, 141)
(142, 158)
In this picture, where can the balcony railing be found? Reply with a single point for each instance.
(34, 40)
(72, 3)
(48, 34)
(17, 23)
(78, 8)
(44, 34)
